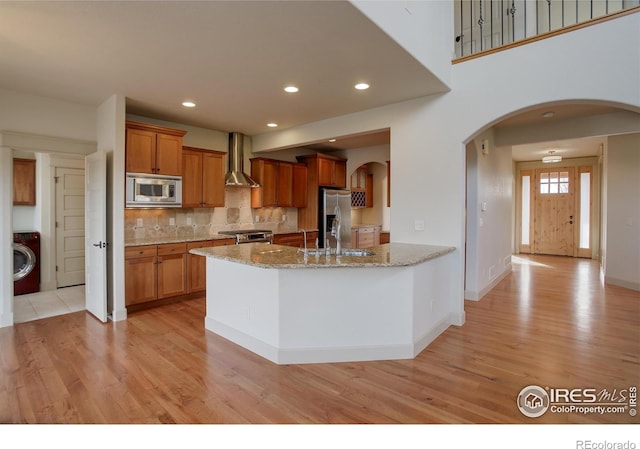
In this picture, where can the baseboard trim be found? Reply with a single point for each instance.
(622, 283)
(477, 296)
(284, 356)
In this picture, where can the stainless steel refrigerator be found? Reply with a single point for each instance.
(334, 211)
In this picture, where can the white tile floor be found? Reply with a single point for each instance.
(34, 306)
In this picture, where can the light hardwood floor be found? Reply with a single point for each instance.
(550, 323)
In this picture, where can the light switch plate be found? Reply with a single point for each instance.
(419, 225)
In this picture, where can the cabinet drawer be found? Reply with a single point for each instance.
(133, 252)
(203, 244)
(224, 242)
(365, 239)
(172, 248)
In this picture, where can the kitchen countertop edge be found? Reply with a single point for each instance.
(199, 238)
(285, 257)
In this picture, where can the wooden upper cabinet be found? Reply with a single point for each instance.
(202, 177)
(282, 183)
(153, 149)
(265, 172)
(24, 182)
(213, 178)
(330, 171)
(299, 185)
(285, 184)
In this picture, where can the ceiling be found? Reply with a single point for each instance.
(231, 58)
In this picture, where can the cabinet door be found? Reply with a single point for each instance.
(140, 154)
(354, 238)
(326, 169)
(285, 184)
(212, 180)
(197, 268)
(24, 182)
(299, 186)
(265, 171)
(172, 275)
(191, 178)
(368, 196)
(366, 237)
(140, 282)
(340, 174)
(168, 155)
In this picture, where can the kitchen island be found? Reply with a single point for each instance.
(294, 308)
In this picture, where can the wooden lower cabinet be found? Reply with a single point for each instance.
(172, 270)
(296, 239)
(197, 265)
(365, 236)
(155, 272)
(141, 274)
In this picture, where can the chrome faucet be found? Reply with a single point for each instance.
(304, 234)
(335, 229)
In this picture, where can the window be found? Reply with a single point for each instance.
(585, 210)
(554, 183)
(526, 209)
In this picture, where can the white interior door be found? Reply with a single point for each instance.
(96, 234)
(70, 238)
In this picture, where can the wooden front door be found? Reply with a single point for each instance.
(554, 216)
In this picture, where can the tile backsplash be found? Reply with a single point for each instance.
(195, 222)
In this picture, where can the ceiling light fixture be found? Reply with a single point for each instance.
(272, 125)
(332, 140)
(551, 158)
(548, 114)
(361, 86)
(291, 89)
(188, 104)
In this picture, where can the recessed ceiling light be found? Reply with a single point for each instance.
(272, 125)
(548, 114)
(361, 86)
(332, 140)
(291, 89)
(188, 104)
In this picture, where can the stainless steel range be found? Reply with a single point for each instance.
(250, 235)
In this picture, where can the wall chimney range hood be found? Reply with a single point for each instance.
(235, 175)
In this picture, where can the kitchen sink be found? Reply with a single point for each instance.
(357, 252)
(350, 252)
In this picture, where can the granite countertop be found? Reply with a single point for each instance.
(364, 225)
(278, 256)
(160, 240)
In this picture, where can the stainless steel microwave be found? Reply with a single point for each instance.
(145, 190)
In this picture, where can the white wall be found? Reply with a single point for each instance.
(622, 238)
(428, 135)
(36, 124)
(424, 29)
(489, 231)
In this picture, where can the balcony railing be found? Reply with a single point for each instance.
(482, 25)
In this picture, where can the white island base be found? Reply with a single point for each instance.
(331, 314)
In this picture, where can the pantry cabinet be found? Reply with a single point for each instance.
(202, 177)
(153, 149)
